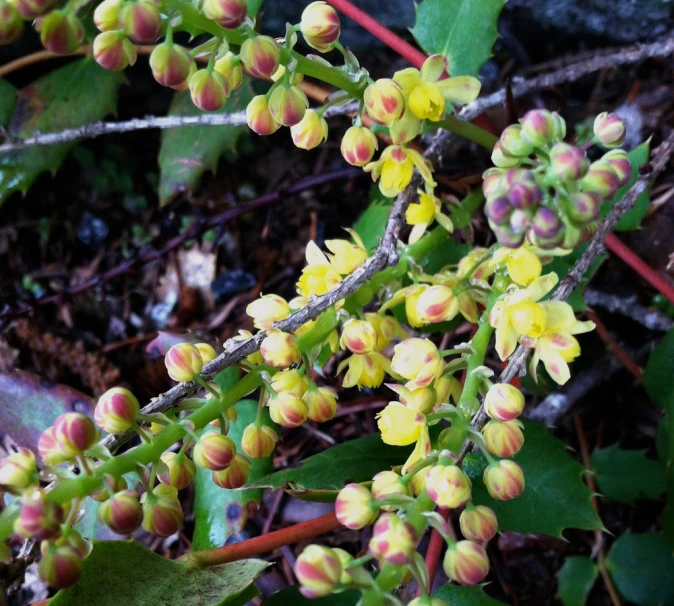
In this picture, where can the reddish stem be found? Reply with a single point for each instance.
(435, 545)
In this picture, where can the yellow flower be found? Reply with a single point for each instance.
(400, 425)
(522, 264)
(395, 167)
(421, 400)
(410, 296)
(365, 370)
(318, 277)
(423, 213)
(418, 361)
(347, 256)
(387, 327)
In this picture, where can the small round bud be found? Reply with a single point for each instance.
(546, 223)
(318, 569)
(11, 25)
(18, 471)
(620, 162)
(417, 360)
(437, 304)
(176, 469)
(288, 410)
(520, 220)
(260, 56)
(498, 210)
(354, 507)
(524, 192)
(207, 352)
(60, 567)
(358, 336)
(393, 540)
(75, 433)
(609, 130)
(235, 475)
(386, 484)
(226, 13)
(448, 486)
(60, 32)
(345, 559)
(29, 9)
(106, 15)
(287, 105)
(501, 158)
(229, 67)
(72, 539)
(111, 486)
(114, 51)
(39, 519)
(466, 563)
(214, 451)
(567, 162)
(116, 410)
(122, 512)
(208, 90)
(321, 404)
(538, 127)
(478, 523)
(279, 349)
(560, 127)
(311, 131)
(507, 237)
(583, 208)
(320, 26)
(504, 402)
(141, 21)
(183, 361)
(170, 64)
(290, 381)
(49, 450)
(504, 480)
(493, 183)
(384, 101)
(601, 179)
(259, 118)
(358, 145)
(258, 442)
(503, 439)
(162, 516)
(512, 142)
(268, 309)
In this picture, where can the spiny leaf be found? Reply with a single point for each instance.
(456, 595)
(575, 580)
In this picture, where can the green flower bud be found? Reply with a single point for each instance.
(504, 480)
(259, 117)
(29, 9)
(582, 208)
(170, 64)
(60, 567)
(601, 179)
(512, 142)
(162, 516)
(466, 563)
(229, 67)
(393, 540)
(620, 162)
(609, 130)
(106, 15)
(38, 519)
(235, 475)
(260, 56)
(501, 158)
(208, 90)
(318, 569)
(60, 32)
(11, 25)
(122, 513)
(18, 471)
(49, 449)
(176, 470)
(287, 105)
(214, 451)
(539, 127)
(567, 162)
(226, 13)
(116, 410)
(355, 507)
(111, 485)
(478, 523)
(258, 442)
(114, 51)
(141, 21)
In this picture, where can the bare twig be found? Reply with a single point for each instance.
(629, 307)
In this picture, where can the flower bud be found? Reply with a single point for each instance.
(287, 105)
(478, 523)
(183, 361)
(320, 26)
(73, 539)
(358, 145)
(567, 162)
(437, 304)
(358, 336)
(525, 192)
(583, 208)
(259, 118)
(311, 131)
(206, 352)
(260, 56)
(235, 475)
(601, 179)
(258, 442)
(504, 402)
(512, 142)
(208, 90)
(29, 9)
(141, 21)
(418, 361)
(388, 483)
(116, 410)
(498, 210)
(448, 486)
(38, 519)
(114, 51)
(504, 480)
(49, 450)
(122, 512)
(507, 237)
(11, 25)
(229, 67)
(170, 64)
(620, 162)
(279, 349)
(538, 127)
(318, 569)
(355, 507)
(60, 32)
(501, 158)
(213, 451)
(106, 15)
(384, 101)
(75, 433)
(466, 563)
(268, 309)
(288, 410)
(609, 130)
(546, 223)
(520, 220)
(111, 486)
(393, 540)
(560, 127)
(60, 567)
(290, 381)
(493, 183)
(419, 400)
(176, 469)
(162, 516)
(226, 13)
(503, 439)
(18, 471)
(321, 404)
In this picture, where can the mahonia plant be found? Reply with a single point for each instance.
(542, 198)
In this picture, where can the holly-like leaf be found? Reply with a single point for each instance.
(124, 572)
(186, 153)
(456, 595)
(642, 567)
(555, 496)
(627, 475)
(291, 596)
(8, 95)
(575, 580)
(71, 96)
(464, 31)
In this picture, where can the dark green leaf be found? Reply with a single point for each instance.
(186, 153)
(555, 496)
(291, 596)
(124, 572)
(371, 225)
(627, 475)
(253, 7)
(65, 98)
(464, 31)
(8, 94)
(456, 595)
(575, 579)
(642, 568)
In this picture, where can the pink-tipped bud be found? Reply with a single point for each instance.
(393, 540)
(546, 223)
(609, 130)
(311, 131)
(75, 433)
(620, 162)
(355, 507)
(321, 404)
(320, 26)
(503, 439)
(214, 451)
(114, 51)
(358, 336)
(259, 118)
(162, 516)
(358, 145)
(176, 470)
(72, 539)
(116, 410)
(504, 480)
(11, 25)
(448, 486)
(601, 179)
(498, 210)
(106, 15)
(226, 13)
(229, 67)
(122, 512)
(183, 361)
(501, 158)
(235, 475)
(207, 352)
(507, 237)
(111, 485)
(18, 471)
(318, 569)
(389, 484)
(141, 21)
(258, 442)
(494, 183)
(504, 402)
(538, 127)
(49, 450)
(466, 563)
(29, 9)
(38, 519)
(384, 101)
(583, 208)
(170, 64)
(567, 162)
(60, 32)
(260, 56)
(287, 105)
(60, 567)
(288, 410)
(512, 142)
(524, 192)
(208, 90)
(290, 380)
(478, 523)
(279, 349)
(436, 304)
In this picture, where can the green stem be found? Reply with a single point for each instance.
(468, 131)
(468, 402)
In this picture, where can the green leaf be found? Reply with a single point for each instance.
(371, 225)
(186, 153)
(124, 572)
(464, 31)
(632, 218)
(456, 595)
(555, 496)
(253, 7)
(65, 98)
(8, 95)
(575, 580)
(291, 596)
(627, 475)
(641, 567)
